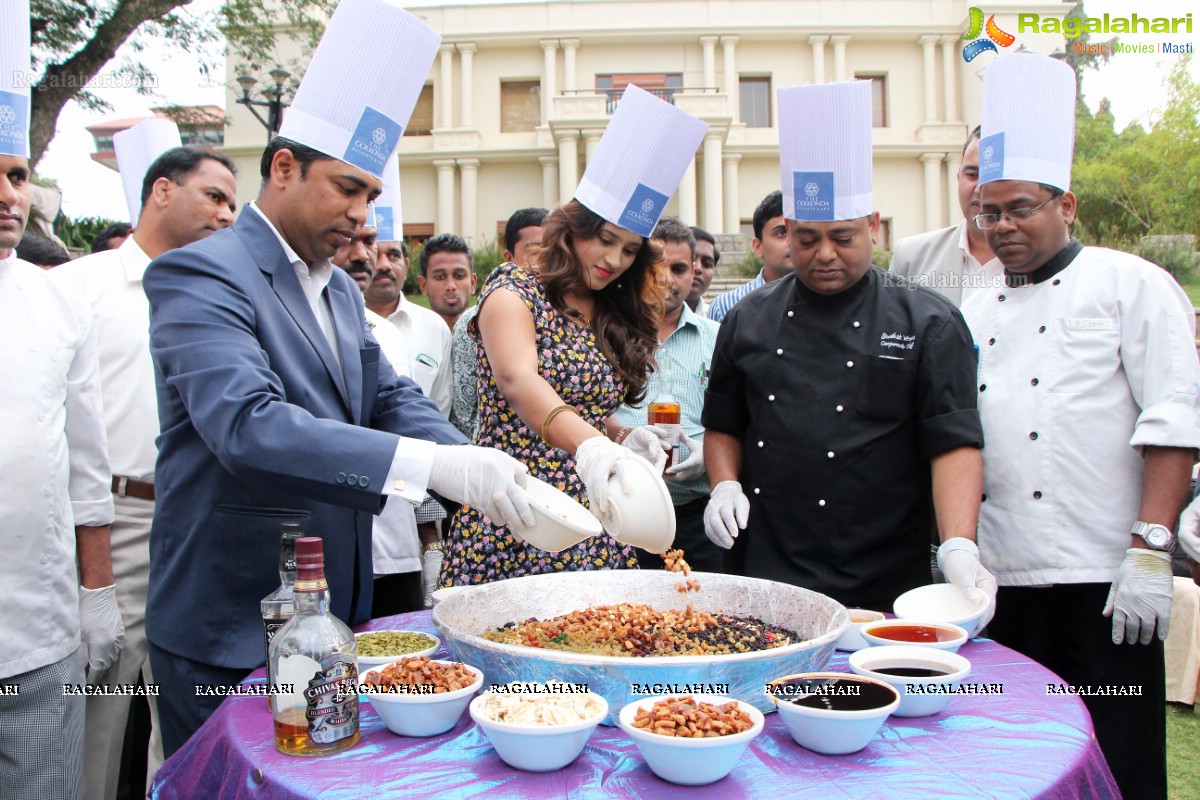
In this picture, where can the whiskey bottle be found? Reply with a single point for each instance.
(277, 606)
(314, 662)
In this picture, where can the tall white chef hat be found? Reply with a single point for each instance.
(386, 216)
(825, 150)
(16, 76)
(1028, 130)
(136, 149)
(639, 161)
(354, 120)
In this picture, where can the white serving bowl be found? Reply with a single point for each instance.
(941, 602)
(924, 700)
(422, 714)
(948, 637)
(852, 639)
(538, 747)
(560, 521)
(833, 732)
(645, 517)
(690, 762)
(366, 662)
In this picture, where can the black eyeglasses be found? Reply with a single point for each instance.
(1013, 215)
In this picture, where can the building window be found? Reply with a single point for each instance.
(755, 97)
(520, 106)
(659, 84)
(421, 121)
(879, 115)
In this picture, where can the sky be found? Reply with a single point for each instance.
(1134, 84)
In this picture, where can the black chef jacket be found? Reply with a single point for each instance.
(841, 401)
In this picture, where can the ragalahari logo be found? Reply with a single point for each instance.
(982, 43)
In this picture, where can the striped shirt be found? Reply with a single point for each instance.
(689, 348)
(723, 304)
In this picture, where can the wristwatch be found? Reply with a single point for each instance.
(1156, 537)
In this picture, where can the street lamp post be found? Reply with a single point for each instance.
(274, 102)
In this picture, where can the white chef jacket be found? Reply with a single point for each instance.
(111, 281)
(1076, 375)
(53, 463)
(395, 546)
(426, 338)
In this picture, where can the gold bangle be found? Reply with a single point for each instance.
(621, 435)
(550, 415)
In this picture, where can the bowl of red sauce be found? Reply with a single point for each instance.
(938, 635)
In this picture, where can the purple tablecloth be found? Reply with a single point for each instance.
(1021, 743)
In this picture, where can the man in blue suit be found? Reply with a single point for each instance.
(275, 405)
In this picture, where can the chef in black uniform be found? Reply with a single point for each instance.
(842, 401)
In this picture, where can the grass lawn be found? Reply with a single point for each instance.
(1183, 752)
(1193, 291)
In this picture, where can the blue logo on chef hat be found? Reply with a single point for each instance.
(812, 194)
(385, 224)
(642, 211)
(14, 136)
(375, 138)
(991, 158)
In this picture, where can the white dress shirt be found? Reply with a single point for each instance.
(427, 338)
(53, 463)
(111, 281)
(1077, 374)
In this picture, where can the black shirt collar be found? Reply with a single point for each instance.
(802, 294)
(1048, 270)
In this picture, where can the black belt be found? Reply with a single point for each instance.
(132, 487)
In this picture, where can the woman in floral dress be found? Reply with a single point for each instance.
(579, 333)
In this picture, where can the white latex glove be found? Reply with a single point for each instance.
(100, 628)
(651, 443)
(1189, 529)
(1140, 597)
(597, 460)
(727, 511)
(484, 478)
(431, 566)
(958, 559)
(693, 465)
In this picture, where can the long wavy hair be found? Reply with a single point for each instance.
(627, 311)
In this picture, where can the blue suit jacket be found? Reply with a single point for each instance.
(260, 425)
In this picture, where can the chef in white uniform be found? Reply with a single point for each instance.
(1087, 390)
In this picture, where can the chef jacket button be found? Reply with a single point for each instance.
(791, 313)
(760, 444)
(771, 398)
(1033, 382)
(1055, 282)
(829, 454)
(857, 324)
(1042, 329)
(1037, 495)
(757, 490)
(849, 364)
(340, 477)
(821, 503)
(779, 352)
(1033, 436)
(983, 387)
(840, 409)
(991, 341)
(1001, 298)
(364, 481)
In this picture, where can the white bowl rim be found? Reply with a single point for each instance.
(405, 697)
(851, 612)
(833, 714)
(587, 525)
(375, 661)
(961, 634)
(916, 596)
(538, 728)
(960, 665)
(625, 720)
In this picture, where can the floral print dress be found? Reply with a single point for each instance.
(570, 359)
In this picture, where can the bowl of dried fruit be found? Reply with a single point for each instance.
(378, 648)
(538, 727)
(419, 697)
(691, 739)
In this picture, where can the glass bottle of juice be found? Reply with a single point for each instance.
(664, 410)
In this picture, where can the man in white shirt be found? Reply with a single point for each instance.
(60, 624)
(954, 261)
(186, 195)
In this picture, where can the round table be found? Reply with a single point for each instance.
(1025, 742)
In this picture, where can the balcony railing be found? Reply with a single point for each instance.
(612, 97)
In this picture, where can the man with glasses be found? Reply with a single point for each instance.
(1087, 391)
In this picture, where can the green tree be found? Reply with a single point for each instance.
(74, 40)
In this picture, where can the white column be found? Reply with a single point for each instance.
(818, 52)
(550, 51)
(445, 195)
(569, 47)
(713, 199)
(839, 56)
(687, 196)
(933, 190)
(445, 108)
(467, 66)
(930, 58)
(709, 45)
(549, 180)
(469, 167)
(733, 222)
(591, 140)
(953, 162)
(728, 51)
(568, 166)
(949, 63)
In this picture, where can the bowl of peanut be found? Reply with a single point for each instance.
(419, 697)
(691, 739)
